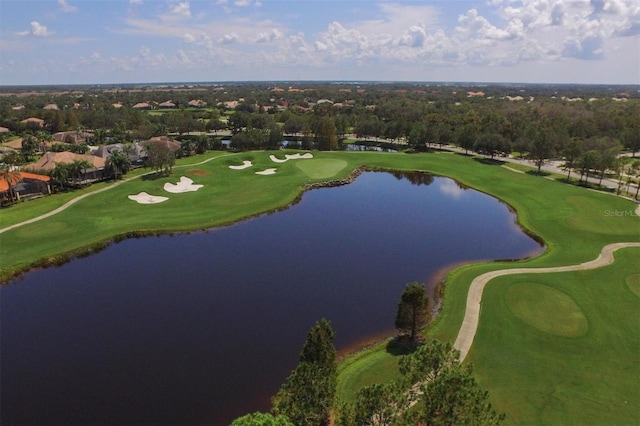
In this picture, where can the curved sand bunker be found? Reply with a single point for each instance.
(144, 198)
(267, 172)
(185, 185)
(244, 165)
(290, 157)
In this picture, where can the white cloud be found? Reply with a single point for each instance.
(36, 30)
(270, 36)
(66, 7)
(188, 38)
(180, 10)
(229, 38)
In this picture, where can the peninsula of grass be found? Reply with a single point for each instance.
(509, 351)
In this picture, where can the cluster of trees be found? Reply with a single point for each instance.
(587, 135)
(434, 387)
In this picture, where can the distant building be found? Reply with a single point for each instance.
(167, 105)
(142, 105)
(33, 121)
(51, 107)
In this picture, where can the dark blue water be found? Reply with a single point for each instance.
(204, 327)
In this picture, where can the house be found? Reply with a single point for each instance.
(475, 94)
(142, 105)
(33, 121)
(172, 144)
(24, 185)
(4, 130)
(93, 173)
(167, 105)
(72, 137)
(196, 103)
(51, 107)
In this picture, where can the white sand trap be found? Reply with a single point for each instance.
(276, 159)
(298, 156)
(290, 157)
(144, 198)
(267, 172)
(185, 185)
(244, 165)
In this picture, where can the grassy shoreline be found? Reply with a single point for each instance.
(571, 221)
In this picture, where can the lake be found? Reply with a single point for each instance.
(201, 328)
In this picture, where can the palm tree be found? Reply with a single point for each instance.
(76, 168)
(11, 178)
(119, 163)
(60, 174)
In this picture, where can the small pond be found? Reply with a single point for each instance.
(201, 328)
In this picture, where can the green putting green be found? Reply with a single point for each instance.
(321, 168)
(546, 309)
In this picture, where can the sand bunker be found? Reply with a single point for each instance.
(144, 198)
(185, 185)
(267, 172)
(244, 165)
(290, 157)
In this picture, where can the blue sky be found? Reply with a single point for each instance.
(137, 41)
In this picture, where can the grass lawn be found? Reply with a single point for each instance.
(536, 370)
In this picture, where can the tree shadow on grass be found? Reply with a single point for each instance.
(489, 161)
(542, 173)
(401, 345)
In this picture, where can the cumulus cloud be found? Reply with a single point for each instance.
(270, 36)
(180, 10)
(36, 30)
(229, 38)
(188, 38)
(66, 7)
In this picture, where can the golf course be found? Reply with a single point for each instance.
(559, 347)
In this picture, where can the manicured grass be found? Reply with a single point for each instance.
(521, 365)
(539, 376)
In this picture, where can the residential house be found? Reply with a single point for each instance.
(142, 105)
(167, 105)
(95, 172)
(33, 121)
(72, 137)
(196, 103)
(24, 185)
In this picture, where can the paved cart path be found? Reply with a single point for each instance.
(474, 297)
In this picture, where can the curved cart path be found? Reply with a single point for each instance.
(474, 297)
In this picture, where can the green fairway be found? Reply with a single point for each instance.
(538, 375)
(551, 348)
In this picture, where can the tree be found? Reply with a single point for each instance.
(261, 419)
(29, 147)
(587, 161)
(541, 145)
(418, 136)
(413, 310)
(375, 405)
(490, 144)
(306, 397)
(465, 137)
(571, 154)
(326, 137)
(119, 163)
(11, 177)
(453, 397)
(443, 391)
(60, 174)
(160, 158)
